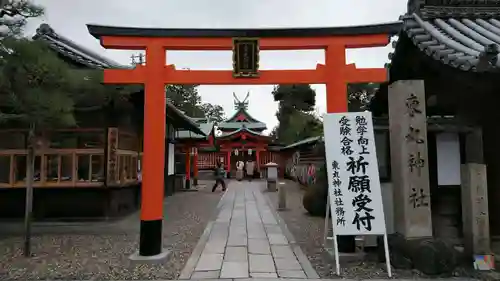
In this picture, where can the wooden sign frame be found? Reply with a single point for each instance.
(240, 68)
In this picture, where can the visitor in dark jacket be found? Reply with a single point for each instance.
(219, 177)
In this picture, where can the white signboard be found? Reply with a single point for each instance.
(448, 158)
(353, 177)
(171, 159)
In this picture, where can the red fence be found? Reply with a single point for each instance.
(207, 160)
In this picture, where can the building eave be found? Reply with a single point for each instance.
(73, 51)
(242, 130)
(468, 44)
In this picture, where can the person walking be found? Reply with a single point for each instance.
(250, 169)
(219, 177)
(239, 170)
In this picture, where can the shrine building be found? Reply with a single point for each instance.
(92, 170)
(241, 138)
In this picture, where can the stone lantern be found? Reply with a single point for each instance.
(271, 176)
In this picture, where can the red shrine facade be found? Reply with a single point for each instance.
(241, 138)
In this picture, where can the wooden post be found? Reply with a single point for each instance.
(257, 158)
(409, 161)
(195, 169)
(228, 163)
(188, 167)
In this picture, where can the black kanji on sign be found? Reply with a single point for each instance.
(341, 221)
(359, 184)
(346, 141)
(345, 127)
(355, 166)
(414, 135)
(346, 150)
(418, 198)
(344, 121)
(336, 182)
(361, 130)
(364, 150)
(346, 146)
(345, 131)
(362, 141)
(339, 202)
(336, 174)
(335, 165)
(339, 211)
(416, 162)
(361, 121)
(337, 192)
(363, 220)
(412, 105)
(360, 202)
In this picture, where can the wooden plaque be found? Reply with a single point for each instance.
(245, 57)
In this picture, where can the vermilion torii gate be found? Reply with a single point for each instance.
(155, 74)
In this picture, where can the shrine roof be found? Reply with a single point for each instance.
(73, 51)
(385, 28)
(206, 129)
(467, 42)
(307, 141)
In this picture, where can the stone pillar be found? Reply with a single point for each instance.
(475, 217)
(409, 161)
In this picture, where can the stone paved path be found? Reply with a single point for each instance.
(245, 241)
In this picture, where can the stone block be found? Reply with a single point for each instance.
(282, 252)
(277, 239)
(292, 274)
(209, 262)
(263, 275)
(261, 263)
(232, 269)
(288, 264)
(236, 254)
(215, 247)
(211, 274)
(237, 240)
(259, 246)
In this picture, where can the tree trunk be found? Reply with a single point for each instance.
(30, 174)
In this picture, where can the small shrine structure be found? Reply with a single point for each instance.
(187, 148)
(241, 138)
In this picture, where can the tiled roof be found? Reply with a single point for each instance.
(231, 122)
(187, 123)
(72, 50)
(468, 43)
(310, 140)
(206, 128)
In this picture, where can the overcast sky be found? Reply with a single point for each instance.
(69, 17)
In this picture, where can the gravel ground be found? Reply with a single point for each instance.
(74, 255)
(308, 232)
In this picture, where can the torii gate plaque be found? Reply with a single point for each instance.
(156, 74)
